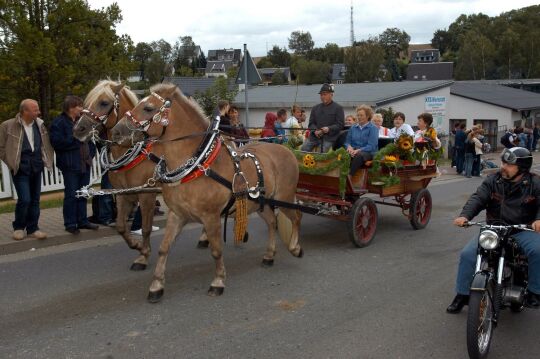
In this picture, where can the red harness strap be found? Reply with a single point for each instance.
(199, 172)
(141, 157)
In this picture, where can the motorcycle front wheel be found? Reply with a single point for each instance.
(479, 324)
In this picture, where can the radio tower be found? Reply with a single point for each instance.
(352, 25)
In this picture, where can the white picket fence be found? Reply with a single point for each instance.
(50, 180)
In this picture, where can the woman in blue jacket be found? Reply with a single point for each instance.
(362, 139)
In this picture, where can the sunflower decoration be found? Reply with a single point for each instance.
(405, 142)
(309, 161)
(391, 158)
(431, 133)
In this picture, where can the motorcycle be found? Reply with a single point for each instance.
(500, 281)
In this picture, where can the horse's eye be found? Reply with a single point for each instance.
(148, 108)
(104, 103)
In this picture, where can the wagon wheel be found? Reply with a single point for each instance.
(420, 209)
(363, 222)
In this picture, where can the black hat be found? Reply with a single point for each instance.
(327, 88)
(519, 156)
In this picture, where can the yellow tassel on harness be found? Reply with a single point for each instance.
(240, 192)
(240, 219)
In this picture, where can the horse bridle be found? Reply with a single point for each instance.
(161, 117)
(101, 120)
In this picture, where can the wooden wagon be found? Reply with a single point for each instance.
(326, 189)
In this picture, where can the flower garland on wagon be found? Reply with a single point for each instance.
(321, 163)
(403, 152)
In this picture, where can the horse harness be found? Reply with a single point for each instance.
(102, 120)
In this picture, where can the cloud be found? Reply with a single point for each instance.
(218, 24)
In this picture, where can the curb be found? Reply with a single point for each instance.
(86, 234)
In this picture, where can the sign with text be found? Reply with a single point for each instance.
(436, 105)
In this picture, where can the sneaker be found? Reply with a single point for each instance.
(18, 234)
(38, 235)
(139, 231)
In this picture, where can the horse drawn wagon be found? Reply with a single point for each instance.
(325, 188)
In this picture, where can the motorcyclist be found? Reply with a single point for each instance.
(510, 196)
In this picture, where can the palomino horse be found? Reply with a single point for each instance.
(192, 196)
(105, 104)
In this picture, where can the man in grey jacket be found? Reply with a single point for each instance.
(326, 120)
(26, 149)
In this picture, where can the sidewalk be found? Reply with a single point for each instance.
(51, 220)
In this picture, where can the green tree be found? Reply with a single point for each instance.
(278, 78)
(311, 71)
(330, 53)
(301, 42)
(363, 62)
(220, 90)
(163, 48)
(279, 57)
(142, 53)
(155, 68)
(51, 48)
(508, 53)
(394, 41)
(476, 57)
(264, 63)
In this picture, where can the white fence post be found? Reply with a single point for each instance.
(50, 180)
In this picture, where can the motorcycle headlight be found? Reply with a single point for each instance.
(488, 239)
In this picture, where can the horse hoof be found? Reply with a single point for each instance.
(300, 254)
(154, 297)
(267, 262)
(246, 237)
(138, 267)
(202, 244)
(215, 291)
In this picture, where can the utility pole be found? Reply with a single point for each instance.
(352, 25)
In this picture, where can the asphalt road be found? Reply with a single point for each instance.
(384, 301)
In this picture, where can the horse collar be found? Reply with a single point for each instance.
(203, 168)
(143, 154)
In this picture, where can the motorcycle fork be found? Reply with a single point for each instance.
(497, 303)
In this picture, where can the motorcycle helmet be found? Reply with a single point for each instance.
(519, 156)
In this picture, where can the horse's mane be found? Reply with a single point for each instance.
(104, 86)
(192, 106)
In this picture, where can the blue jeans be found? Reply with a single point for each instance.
(469, 160)
(460, 159)
(313, 142)
(74, 208)
(528, 241)
(105, 203)
(28, 188)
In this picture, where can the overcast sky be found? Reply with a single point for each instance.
(261, 24)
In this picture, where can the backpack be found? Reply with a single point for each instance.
(505, 140)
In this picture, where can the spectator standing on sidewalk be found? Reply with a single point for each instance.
(25, 148)
(74, 159)
(536, 136)
(459, 146)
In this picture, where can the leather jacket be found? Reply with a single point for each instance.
(509, 202)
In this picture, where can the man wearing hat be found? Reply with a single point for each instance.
(325, 121)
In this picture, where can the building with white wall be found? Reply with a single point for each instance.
(494, 106)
